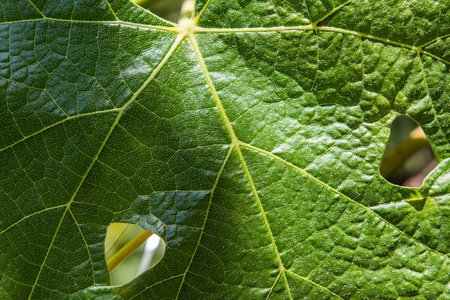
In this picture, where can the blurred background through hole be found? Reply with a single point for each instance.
(148, 254)
(408, 157)
(166, 9)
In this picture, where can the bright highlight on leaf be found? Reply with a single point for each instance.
(249, 138)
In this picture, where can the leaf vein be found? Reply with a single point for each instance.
(86, 244)
(30, 215)
(202, 11)
(431, 100)
(339, 193)
(314, 283)
(112, 11)
(37, 9)
(434, 40)
(322, 28)
(273, 286)
(176, 29)
(235, 144)
(333, 11)
(48, 252)
(206, 218)
(150, 286)
(58, 123)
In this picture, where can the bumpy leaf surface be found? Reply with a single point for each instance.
(248, 138)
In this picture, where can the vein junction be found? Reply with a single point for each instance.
(188, 30)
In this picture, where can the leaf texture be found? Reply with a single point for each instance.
(248, 138)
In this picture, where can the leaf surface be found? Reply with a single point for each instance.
(248, 138)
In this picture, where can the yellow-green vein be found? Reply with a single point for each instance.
(252, 29)
(172, 49)
(202, 11)
(179, 29)
(235, 144)
(111, 10)
(61, 122)
(263, 214)
(384, 40)
(230, 150)
(434, 40)
(214, 93)
(87, 246)
(155, 72)
(431, 100)
(322, 28)
(145, 11)
(332, 12)
(95, 158)
(313, 283)
(335, 191)
(174, 28)
(273, 285)
(30, 215)
(40, 12)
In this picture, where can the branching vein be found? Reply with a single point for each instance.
(219, 174)
(116, 121)
(335, 191)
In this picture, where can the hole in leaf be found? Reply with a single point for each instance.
(167, 9)
(408, 157)
(130, 250)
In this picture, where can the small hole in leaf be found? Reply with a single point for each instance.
(166, 9)
(408, 157)
(130, 250)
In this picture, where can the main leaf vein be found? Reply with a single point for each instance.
(337, 192)
(116, 121)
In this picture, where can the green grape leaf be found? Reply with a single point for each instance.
(249, 138)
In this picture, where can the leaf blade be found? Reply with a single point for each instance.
(250, 144)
